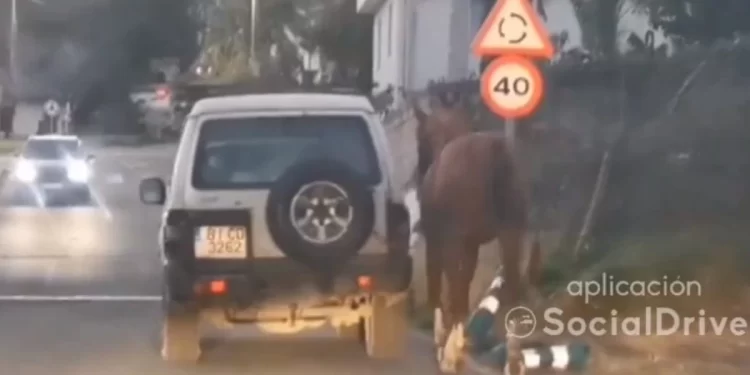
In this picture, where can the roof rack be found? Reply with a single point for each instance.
(200, 90)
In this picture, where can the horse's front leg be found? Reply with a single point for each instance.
(459, 272)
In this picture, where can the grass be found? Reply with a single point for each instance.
(714, 254)
(9, 146)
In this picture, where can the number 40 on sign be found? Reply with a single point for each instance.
(512, 87)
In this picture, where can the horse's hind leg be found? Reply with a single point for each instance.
(434, 249)
(434, 293)
(459, 267)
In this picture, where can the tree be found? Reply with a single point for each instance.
(283, 29)
(699, 21)
(228, 37)
(345, 37)
(599, 20)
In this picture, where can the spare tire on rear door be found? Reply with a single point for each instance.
(320, 213)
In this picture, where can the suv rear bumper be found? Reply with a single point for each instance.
(282, 281)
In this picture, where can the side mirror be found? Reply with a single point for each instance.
(152, 191)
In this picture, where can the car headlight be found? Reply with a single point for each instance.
(25, 171)
(78, 171)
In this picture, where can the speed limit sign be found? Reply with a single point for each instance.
(512, 87)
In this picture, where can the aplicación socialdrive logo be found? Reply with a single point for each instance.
(520, 322)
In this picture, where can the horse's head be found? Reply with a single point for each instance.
(436, 129)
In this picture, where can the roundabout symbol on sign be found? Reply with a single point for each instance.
(52, 108)
(512, 87)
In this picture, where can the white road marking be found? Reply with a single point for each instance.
(48, 209)
(101, 204)
(77, 298)
(38, 198)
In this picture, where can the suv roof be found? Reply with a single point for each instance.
(282, 101)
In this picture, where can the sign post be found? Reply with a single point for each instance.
(52, 110)
(512, 87)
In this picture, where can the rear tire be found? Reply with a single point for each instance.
(387, 330)
(354, 332)
(180, 338)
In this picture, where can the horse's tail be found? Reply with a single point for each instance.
(510, 202)
(511, 209)
(535, 266)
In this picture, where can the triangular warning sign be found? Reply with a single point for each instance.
(513, 27)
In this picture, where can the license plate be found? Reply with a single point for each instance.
(52, 186)
(221, 242)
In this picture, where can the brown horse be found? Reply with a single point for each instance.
(470, 193)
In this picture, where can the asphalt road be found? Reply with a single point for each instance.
(79, 293)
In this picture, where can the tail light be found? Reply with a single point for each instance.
(218, 287)
(163, 93)
(213, 287)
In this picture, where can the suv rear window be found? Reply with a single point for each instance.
(50, 149)
(253, 152)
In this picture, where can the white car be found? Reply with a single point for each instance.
(280, 214)
(52, 167)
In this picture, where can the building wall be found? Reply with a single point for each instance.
(388, 42)
(431, 36)
(415, 41)
(27, 118)
(442, 32)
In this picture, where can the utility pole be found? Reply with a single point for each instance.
(13, 36)
(253, 20)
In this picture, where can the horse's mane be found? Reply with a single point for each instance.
(435, 130)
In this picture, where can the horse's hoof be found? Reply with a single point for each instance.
(448, 365)
(450, 356)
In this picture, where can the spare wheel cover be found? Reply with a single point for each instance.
(320, 213)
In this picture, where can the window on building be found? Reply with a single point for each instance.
(390, 28)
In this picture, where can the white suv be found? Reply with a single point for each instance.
(281, 214)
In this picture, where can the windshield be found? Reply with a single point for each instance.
(254, 152)
(51, 149)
